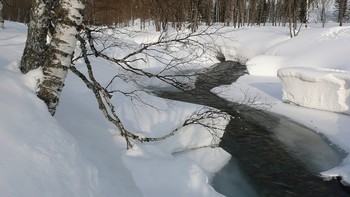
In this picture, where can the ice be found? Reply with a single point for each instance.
(318, 88)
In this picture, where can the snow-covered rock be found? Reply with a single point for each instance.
(318, 88)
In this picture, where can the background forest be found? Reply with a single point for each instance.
(189, 13)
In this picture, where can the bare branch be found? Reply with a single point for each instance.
(103, 97)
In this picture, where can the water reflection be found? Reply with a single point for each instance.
(314, 151)
(231, 181)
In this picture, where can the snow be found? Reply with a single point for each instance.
(182, 176)
(317, 88)
(123, 173)
(37, 155)
(324, 48)
(79, 153)
(313, 47)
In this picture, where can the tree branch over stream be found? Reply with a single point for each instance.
(103, 95)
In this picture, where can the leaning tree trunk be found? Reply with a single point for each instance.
(68, 18)
(36, 45)
(1, 15)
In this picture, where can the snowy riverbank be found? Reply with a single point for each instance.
(315, 47)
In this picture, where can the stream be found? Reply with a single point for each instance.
(271, 155)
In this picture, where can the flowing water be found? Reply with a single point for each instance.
(272, 155)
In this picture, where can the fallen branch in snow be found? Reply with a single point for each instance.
(197, 118)
(196, 148)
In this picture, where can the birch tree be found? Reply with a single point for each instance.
(55, 56)
(68, 18)
(36, 47)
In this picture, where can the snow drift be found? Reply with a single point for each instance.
(318, 88)
(37, 155)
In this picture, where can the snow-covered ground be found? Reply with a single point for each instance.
(79, 153)
(268, 49)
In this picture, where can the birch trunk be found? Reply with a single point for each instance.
(68, 18)
(36, 47)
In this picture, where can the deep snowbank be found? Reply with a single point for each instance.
(37, 155)
(313, 47)
(317, 88)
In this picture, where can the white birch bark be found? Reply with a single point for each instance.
(68, 18)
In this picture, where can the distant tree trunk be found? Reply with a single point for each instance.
(290, 19)
(324, 4)
(195, 15)
(307, 13)
(342, 7)
(36, 46)
(1, 14)
(68, 18)
(209, 11)
(293, 8)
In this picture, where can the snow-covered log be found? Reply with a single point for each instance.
(324, 89)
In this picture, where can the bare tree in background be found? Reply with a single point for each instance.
(1, 14)
(341, 9)
(293, 9)
(17, 10)
(178, 13)
(323, 15)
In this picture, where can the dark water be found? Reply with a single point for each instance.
(272, 156)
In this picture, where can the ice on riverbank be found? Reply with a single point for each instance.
(317, 88)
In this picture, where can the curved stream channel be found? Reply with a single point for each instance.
(272, 155)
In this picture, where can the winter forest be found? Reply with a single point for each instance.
(176, 13)
(192, 98)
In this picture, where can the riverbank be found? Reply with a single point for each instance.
(252, 139)
(265, 50)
